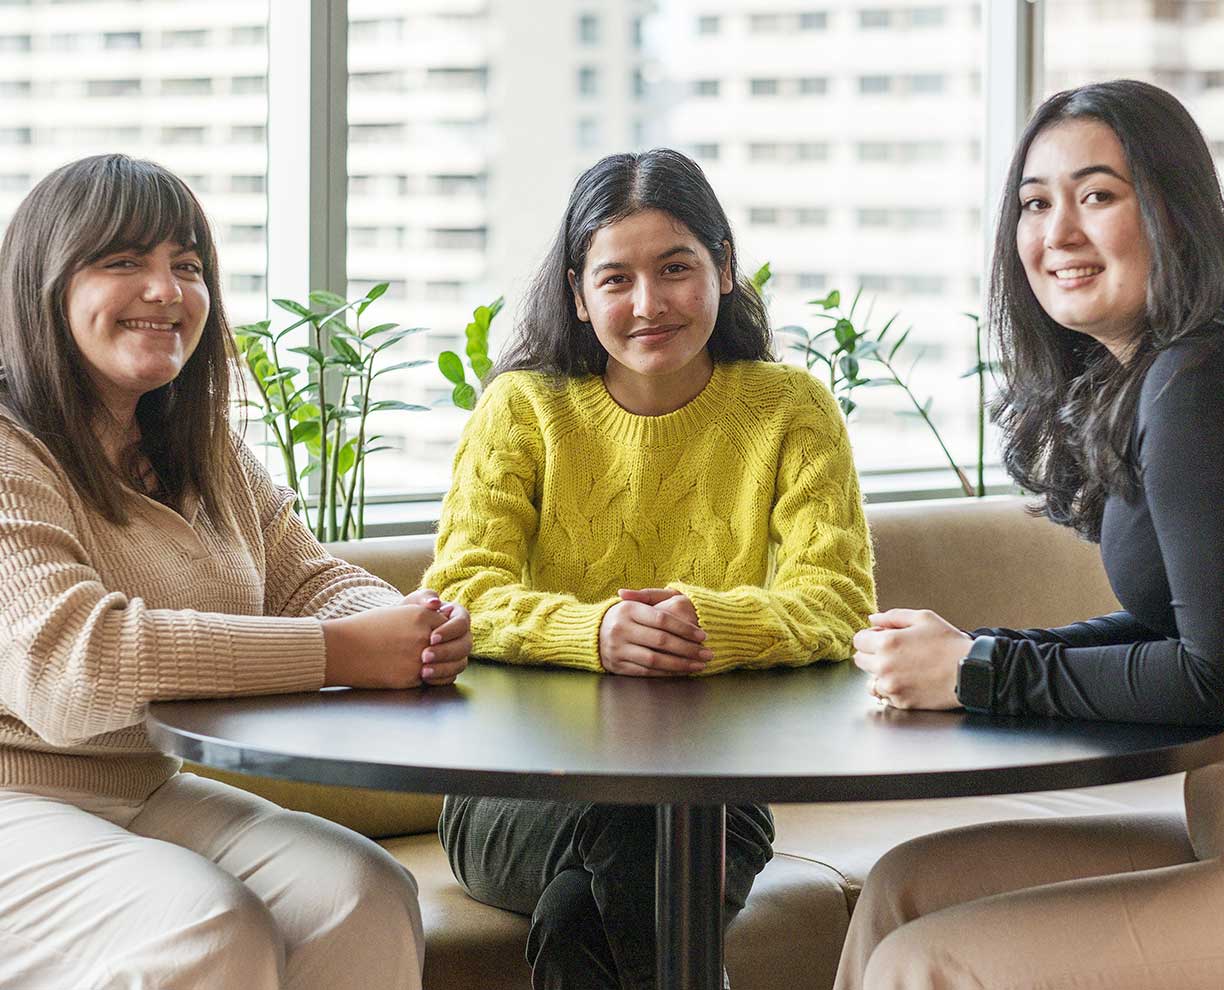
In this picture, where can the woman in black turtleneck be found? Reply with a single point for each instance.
(1107, 295)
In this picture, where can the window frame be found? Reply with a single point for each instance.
(306, 241)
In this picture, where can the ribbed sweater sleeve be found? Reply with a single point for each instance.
(822, 589)
(301, 577)
(80, 658)
(489, 523)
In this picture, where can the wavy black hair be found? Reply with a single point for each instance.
(1067, 405)
(548, 336)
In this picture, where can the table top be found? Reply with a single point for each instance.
(806, 734)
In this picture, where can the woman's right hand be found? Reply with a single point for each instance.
(642, 640)
(379, 648)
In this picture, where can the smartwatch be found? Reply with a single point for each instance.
(975, 676)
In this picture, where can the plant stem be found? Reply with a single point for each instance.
(323, 424)
(290, 459)
(960, 474)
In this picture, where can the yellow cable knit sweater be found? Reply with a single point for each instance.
(746, 500)
(96, 620)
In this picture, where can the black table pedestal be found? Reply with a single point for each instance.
(689, 874)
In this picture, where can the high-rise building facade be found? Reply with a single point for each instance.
(844, 137)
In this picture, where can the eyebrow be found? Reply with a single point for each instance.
(1079, 173)
(669, 253)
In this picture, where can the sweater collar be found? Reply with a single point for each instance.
(601, 411)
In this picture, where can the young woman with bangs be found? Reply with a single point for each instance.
(144, 555)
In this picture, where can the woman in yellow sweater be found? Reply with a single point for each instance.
(642, 491)
(145, 554)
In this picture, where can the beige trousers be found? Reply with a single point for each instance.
(1108, 903)
(201, 887)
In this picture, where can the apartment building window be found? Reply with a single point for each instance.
(248, 185)
(457, 185)
(458, 238)
(763, 87)
(813, 85)
(875, 85)
(249, 284)
(112, 87)
(875, 17)
(451, 79)
(588, 29)
(184, 135)
(376, 133)
(248, 134)
(709, 24)
(15, 42)
(927, 17)
(196, 86)
(246, 233)
(249, 34)
(15, 88)
(763, 216)
(706, 151)
(123, 40)
(811, 216)
(588, 80)
(926, 82)
(195, 38)
(705, 87)
(587, 132)
(249, 85)
(813, 20)
(764, 23)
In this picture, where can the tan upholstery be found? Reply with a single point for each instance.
(977, 562)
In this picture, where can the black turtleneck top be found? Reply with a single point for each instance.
(1162, 659)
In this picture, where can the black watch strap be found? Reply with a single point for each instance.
(975, 676)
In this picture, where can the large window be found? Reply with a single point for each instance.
(153, 80)
(845, 143)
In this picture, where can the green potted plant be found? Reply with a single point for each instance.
(317, 416)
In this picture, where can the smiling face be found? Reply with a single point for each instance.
(651, 290)
(1080, 235)
(136, 319)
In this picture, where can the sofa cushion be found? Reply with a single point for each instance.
(790, 933)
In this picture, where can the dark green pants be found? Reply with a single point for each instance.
(585, 874)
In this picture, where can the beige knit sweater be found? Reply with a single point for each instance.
(97, 620)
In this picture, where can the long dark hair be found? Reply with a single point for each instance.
(548, 335)
(1067, 405)
(79, 213)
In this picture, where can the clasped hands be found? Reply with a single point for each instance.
(652, 632)
(421, 640)
(913, 656)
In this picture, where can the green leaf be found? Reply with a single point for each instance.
(305, 411)
(831, 301)
(370, 449)
(375, 331)
(293, 307)
(327, 300)
(385, 405)
(370, 296)
(760, 277)
(346, 351)
(897, 343)
(866, 349)
(878, 382)
(481, 365)
(848, 405)
(496, 306)
(259, 329)
(347, 457)
(316, 355)
(977, 369)
(397, 336)
(452, 368)
(306, 432)
(309, 469)
(845, 333)
(849, 367)
(464, 396)
(417, 363)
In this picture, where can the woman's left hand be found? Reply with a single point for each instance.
(913, 654)
(446, 656)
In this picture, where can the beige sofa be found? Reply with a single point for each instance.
(976, 562)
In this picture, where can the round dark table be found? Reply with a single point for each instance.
(689, 746)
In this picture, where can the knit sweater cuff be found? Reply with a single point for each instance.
(734, 632)
(571, 636)
(201, 654)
